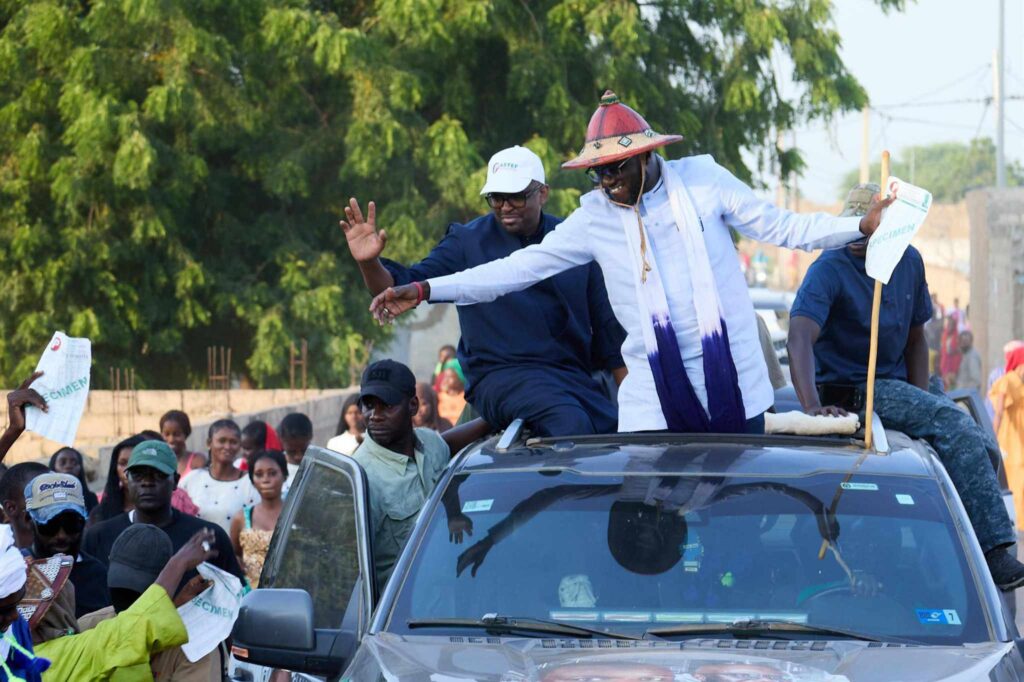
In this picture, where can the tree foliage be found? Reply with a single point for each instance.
(172, 172)
(948, 169)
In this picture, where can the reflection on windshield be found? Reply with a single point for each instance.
(642, 550)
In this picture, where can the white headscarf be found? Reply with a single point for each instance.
(13, 570)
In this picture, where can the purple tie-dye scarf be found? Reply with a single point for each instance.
(680, 405)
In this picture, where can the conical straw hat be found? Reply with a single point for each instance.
(616, 132)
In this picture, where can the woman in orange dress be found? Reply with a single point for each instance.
(1007, 396)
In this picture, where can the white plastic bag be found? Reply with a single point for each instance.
(900, 223)
(210, 616)
(64, 386)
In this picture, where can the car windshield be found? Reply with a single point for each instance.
(631, 553)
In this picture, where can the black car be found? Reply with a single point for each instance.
(640, 556)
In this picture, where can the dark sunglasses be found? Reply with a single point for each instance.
(71, 522)
(514, 200)
(611, 169)
(146, 474)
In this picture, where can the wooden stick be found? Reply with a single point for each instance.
(876, 305)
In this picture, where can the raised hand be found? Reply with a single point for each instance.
(394, 301)
(200, 548)
(873, 218)
(19, 398)
(364, 241)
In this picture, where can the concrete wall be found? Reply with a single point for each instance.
(997, 270)
(323, 409)
(109, 417)
(417, 342)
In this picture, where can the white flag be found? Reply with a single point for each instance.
(900, 223)
(65, 365)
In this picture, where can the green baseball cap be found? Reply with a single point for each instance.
(156, 454)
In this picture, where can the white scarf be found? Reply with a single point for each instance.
(679, 402)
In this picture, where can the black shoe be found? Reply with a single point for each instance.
(1007, 572)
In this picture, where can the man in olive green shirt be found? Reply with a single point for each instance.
(402, 463)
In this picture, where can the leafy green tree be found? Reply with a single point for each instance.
(172, 173)
(948, 169)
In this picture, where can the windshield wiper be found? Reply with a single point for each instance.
(762, 628)
(495, 623)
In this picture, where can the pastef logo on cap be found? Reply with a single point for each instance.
(503, 165)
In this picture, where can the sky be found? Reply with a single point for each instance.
(937, 50)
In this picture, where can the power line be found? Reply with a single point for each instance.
(956, 81)
(947, 102)
(921, 121)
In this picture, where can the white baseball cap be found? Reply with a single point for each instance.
(512, 170)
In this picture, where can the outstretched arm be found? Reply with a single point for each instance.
(564, 247)
(763, 221)
(17, 400)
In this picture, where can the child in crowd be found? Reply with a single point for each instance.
(451, 392)
(70, 461)
(296, 431)
(175, 428)
(427, 416)
(257, 435)
(221, 491)
(252, 530)
(444, 354)
(350, 428)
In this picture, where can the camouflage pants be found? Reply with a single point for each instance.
(961, 445)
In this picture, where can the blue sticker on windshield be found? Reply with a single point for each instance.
(938, 617)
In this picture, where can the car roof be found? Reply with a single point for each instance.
(735, 455)
(771, 298)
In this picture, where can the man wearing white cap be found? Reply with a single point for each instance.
(529, 354)
(661, 232)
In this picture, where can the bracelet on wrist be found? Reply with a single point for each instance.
(420, 296)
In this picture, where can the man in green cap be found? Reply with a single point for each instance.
(152, 474)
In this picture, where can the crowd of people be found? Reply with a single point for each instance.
(158, 497)
(632, 315)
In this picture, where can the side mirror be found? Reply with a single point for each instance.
(275, 629)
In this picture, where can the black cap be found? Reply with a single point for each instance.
(138, 555)
(388, 380)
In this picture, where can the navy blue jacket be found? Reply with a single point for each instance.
(836, 294)
(564, 322)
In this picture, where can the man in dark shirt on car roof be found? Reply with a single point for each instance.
(529, 354)
(829, 334)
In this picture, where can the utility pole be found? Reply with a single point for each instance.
(865, 142)
(780, 189)
(795, 186)
(999, 65)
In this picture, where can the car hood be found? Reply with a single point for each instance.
(486, 659)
